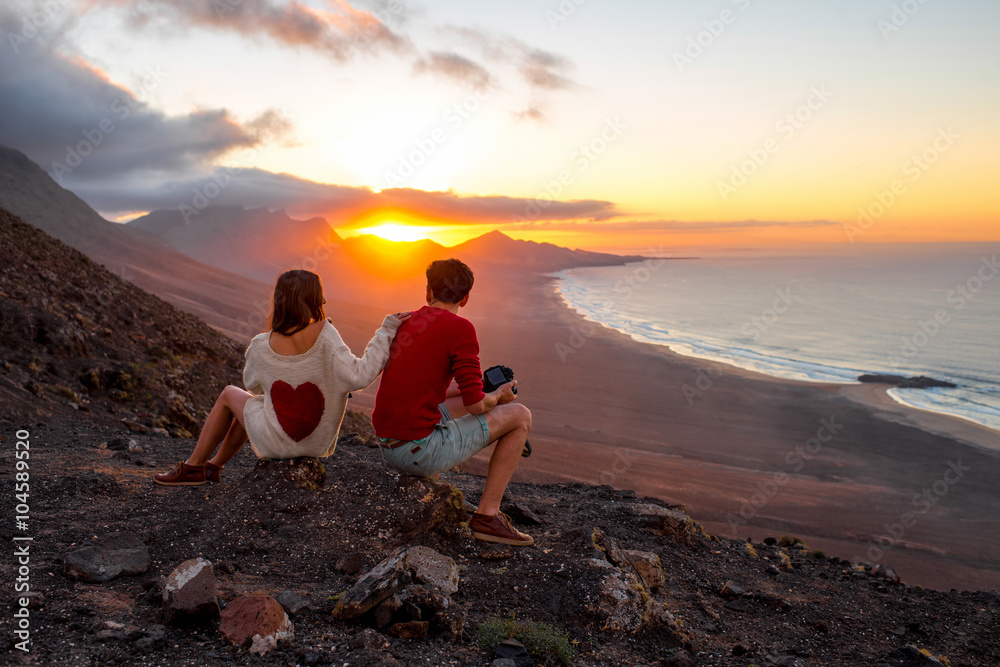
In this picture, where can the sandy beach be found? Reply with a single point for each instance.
(843, 467)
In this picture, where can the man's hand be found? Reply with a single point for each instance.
(502, 394)
(505, 393)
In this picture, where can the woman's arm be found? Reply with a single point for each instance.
(359, 373)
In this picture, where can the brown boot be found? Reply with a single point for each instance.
(498, 529)
(182, 475)
(213, 473)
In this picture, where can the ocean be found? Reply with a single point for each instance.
(907, 310)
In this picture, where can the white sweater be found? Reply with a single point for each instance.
(300, 399)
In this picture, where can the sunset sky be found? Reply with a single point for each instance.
(652, 124)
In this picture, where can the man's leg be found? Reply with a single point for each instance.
(509, 425)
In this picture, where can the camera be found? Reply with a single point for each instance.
(494, 376)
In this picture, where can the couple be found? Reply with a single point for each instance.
(431, 413)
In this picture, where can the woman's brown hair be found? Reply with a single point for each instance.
(298, 300)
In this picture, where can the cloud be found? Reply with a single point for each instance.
(341, 32)
(540, 69)
(340, 204)
(671, 226)
(453, 66)
(75, 122)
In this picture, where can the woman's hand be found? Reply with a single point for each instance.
(402, 317)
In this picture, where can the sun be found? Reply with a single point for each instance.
(393, 231)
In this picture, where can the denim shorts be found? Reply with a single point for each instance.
(452, 442)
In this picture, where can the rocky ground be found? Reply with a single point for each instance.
(592, 575)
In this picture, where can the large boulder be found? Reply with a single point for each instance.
(118, 554)
(189, 594)
(256, 620)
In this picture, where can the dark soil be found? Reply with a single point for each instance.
(812, 611)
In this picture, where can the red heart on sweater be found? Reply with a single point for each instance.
(299, 410)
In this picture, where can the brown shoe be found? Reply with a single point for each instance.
(498, 529)
(182, 475)
(213, 473)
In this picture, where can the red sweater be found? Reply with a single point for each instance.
(430, 349)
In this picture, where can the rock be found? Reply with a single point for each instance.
(513, 650)
(378, 584)
(134, 447)
(522, 514)
(277, 475)
(135, 426)
(119, 444)
(189, 594)
(622, 604)
(385, 610)
(737, 605)
(350, 563)
(257, 620)
(369, 639)
(673, 523)
(118, 554)
(731, 590)
(680, 659)
(450, 623)
(409, 630)
(911, 656)
(885, 572)
(918, 382)
(822, 626)
(433, 568)
(427, 600)
(433, 510)
(647, 566)
(291, 602)
(369, 658)
(503, 662)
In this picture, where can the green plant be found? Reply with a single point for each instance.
(543, 641)
(819, 553)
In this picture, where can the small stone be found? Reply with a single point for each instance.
(515, 651)
(737, 605)
(772, 569)
(385, 610)
(118, 554)
(770, 541)
(378, 584)
(189, 593)
(291, 602)
(450, 623)
(257, 620)
(431, 567)
(739, 650)
(731, 590)
(522, 514)
(503, 662)
(898, 631)
(350, 563)
(409, 630)
(822, 626)
(680, 659)
(370, 639)
(135, 426)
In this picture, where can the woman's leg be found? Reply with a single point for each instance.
(234, 441)
(226, 414)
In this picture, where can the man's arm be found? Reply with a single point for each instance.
(502, 394)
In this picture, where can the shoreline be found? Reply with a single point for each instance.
(612, 410)
(731, 364)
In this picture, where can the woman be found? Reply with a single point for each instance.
(298, 374)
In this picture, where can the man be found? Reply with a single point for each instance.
(431, 413)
